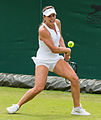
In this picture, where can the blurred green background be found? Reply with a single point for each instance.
(19, 24)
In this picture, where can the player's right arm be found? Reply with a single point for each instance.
(44, 35)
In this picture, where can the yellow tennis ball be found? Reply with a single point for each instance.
(71, 44)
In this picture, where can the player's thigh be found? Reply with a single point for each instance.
(41, 73)
(63, 69)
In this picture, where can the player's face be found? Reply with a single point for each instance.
(50, 19)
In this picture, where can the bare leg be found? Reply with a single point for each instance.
(41, 73)
(63, 69)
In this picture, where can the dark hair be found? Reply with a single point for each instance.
(47, 7)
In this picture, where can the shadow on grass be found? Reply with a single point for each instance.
(53, 115)
(45, 116)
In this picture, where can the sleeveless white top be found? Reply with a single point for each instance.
(44, 53)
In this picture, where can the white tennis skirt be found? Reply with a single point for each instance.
(49, 63)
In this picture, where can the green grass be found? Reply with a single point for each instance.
(48, 105)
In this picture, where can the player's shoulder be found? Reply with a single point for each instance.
(58, 21)
(43, 30)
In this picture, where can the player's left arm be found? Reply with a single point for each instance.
(61, 42)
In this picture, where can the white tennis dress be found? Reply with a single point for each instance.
(44, 54)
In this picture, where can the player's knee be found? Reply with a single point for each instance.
(39, 89)
(75, 81)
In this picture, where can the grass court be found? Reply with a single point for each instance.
(48, 105)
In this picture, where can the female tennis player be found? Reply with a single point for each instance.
(51, 43)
